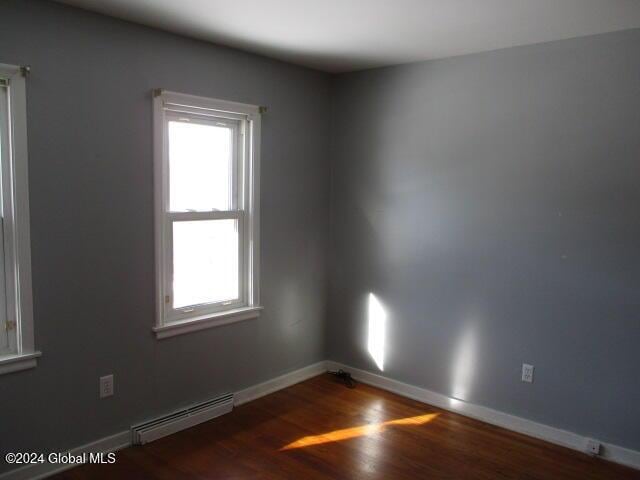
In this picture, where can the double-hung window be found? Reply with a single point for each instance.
(206, 187)
(16, 310)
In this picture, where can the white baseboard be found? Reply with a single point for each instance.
(615, 453)
(278, 383)
(42, 470)
(123, 439)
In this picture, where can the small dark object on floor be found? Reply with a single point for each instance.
(345, 377)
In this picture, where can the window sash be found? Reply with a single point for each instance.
(237, 151)
(175, 314)
(8, 340)
(5, 345)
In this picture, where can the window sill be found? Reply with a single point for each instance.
(206, 321)
(15, 363)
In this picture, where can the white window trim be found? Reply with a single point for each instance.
(250, 114)
(16, 227)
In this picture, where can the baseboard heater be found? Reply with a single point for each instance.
(187, 417)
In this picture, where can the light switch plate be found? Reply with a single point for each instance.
(106, 386)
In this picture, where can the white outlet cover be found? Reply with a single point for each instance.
(106, 386)
(527, 373)
(593, 446)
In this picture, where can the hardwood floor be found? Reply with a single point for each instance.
(319, 429)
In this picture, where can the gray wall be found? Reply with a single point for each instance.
(90, 161)
(489, 201)
(492, 203)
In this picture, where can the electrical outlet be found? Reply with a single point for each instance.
(593, 447)
(527, 373)
(106, 386)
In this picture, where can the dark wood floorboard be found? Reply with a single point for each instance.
(319, 429)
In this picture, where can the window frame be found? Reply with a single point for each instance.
(21, 353)
(245, 122)
(235, 212)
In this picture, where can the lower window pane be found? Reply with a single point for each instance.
(205, 262)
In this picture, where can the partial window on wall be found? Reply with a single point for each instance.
(16, 311)
(206, 189)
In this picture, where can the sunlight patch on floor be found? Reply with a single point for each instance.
(354, 432)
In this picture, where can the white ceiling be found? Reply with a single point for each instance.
(345, 35)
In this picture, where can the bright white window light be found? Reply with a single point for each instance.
(205, 262)
(377, 320)
(200, 166)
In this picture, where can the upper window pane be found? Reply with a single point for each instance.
(200, 166)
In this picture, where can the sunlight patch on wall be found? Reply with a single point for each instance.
(377, 330)
(464, 363)
(354, 432)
